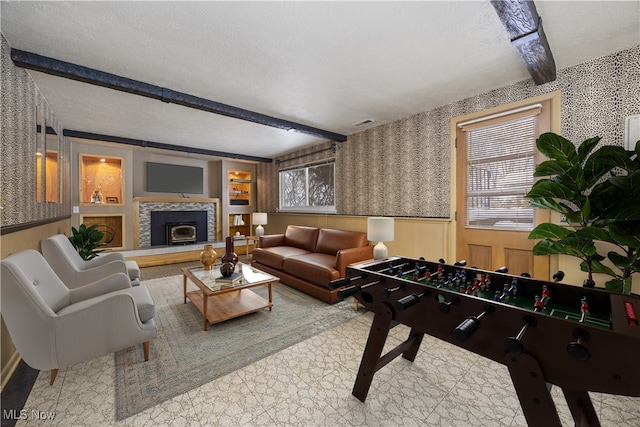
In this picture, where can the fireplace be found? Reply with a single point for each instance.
(178, 227)
(181, 233)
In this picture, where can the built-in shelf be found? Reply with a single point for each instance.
(111, 225)
(240, 224)
(239, 188)
(101, 180)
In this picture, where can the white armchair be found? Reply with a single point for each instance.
(53, 326)
(74, 271)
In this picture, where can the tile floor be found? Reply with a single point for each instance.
(309, 384)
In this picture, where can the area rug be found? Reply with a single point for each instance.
(184, 356)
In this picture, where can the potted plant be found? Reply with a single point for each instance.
(598, 193)
(87, 241)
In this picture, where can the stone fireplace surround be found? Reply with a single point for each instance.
(143, 206)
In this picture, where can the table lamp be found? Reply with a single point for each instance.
(260, 219)
(380, 229)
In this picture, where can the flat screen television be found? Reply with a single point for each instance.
(168, 178)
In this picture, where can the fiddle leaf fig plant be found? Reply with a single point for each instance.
(597, 191)
(87, 241)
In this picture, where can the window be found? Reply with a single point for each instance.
(308, 188)
(501, 160)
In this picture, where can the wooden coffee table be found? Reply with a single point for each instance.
(219, 301)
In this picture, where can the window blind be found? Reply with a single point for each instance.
(501, 159)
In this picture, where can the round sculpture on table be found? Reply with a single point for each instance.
(227, 269)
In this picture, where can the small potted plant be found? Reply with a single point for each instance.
(87, 241)
(598, 194)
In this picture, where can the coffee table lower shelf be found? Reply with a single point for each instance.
(228, 305)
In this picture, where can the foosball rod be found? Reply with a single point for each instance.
(352, 290)
(339, 283)
(514, 344)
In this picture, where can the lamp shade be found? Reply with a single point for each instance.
(380, 229)
(259, 218)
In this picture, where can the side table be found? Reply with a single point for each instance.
(251, 240)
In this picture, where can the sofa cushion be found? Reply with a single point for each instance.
(275, 256)
(316, 268)
(301, 237)
(331, 241)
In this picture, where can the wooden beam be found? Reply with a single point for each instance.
(524, 26)
(151, 144)
(83, 74)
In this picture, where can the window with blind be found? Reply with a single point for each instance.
(501, 159)
(308, 188)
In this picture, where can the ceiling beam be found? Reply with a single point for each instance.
(83, 74)
(524, 26)
(151, 144)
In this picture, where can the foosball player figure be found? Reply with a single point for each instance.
(469, 288)
(505, 293)
(496, 296)
(546, 296)
(441, 283)
(538, 305)
(584, 309)
(416, 276)
(485, 281)
(399, 273)
(440, 272)
(457, 278)
(514, 288)
(476, 287)
(427, 276)
(450, 280)
(463, 289)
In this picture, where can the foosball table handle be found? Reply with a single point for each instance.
(576, 349)
(444, 305)
(470, 325)
(514, 344)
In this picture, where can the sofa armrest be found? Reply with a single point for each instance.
(271, 240)
(352, 255)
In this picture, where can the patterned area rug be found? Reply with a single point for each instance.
(184, 356)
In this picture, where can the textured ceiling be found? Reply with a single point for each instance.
(323, 64)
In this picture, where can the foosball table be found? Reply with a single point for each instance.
(546, 333)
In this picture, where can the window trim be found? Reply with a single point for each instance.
(329, 209)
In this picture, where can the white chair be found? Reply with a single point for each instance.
(53, 326)
(74, 271)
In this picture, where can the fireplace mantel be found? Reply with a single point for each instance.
(142, 207)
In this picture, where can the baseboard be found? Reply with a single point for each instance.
(178, 257)
(9, 368)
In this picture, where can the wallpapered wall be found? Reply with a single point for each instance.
(403, 168)
(20, 98)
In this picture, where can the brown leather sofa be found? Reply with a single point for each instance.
(308, 258)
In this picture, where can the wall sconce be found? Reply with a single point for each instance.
(260, 219)
(380, 229)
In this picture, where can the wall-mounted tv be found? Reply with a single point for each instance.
(168, 178)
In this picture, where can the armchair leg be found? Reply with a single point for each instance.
(146, 346)
(54, 374)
